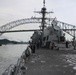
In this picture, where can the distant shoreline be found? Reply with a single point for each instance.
(6, 41)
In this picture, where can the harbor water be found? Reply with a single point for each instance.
(9, 54)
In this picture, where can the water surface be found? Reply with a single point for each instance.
(9, 54)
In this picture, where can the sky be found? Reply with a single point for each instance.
(11, 10)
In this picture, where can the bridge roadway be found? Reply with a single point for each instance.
(10, 31)
(49, 62)
(31, 30)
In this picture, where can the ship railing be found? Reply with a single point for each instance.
(15, 69)
(9, 70)
(20, 62)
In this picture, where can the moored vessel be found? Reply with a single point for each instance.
(46, 50)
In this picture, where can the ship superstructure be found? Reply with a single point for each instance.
(49, 34)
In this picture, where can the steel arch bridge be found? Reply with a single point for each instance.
(16, 23)
(68, 28)
(10, 25)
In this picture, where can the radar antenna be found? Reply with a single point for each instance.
(44, 3)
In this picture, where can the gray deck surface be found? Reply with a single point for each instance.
(49, 62)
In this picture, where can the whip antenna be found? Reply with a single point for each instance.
(44, 3)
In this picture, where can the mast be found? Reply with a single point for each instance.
(43, 18)
(43, 11)
(44, 3)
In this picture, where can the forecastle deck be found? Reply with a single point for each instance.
(49, 62)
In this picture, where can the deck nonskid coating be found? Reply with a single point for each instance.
(48, 62)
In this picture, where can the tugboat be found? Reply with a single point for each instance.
(46, 52)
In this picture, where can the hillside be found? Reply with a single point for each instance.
(6, 41)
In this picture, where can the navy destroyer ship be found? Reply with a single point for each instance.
(47, 50)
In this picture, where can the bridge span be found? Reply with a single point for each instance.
(20, 31)
(68, 28)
